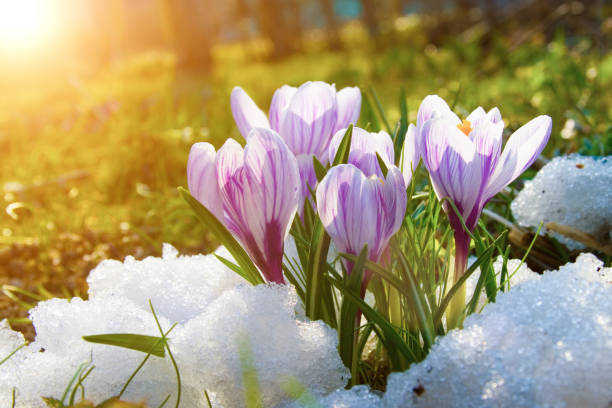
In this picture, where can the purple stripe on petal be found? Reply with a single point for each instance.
(450, 158)
(521, 150)
(357, 210)
(202, 178)
(259, 187)
(494, 115)
(246, 113)
(280, 103)
(364, 146)
(308, 181)
(310, 119)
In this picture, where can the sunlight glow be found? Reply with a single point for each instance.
(24, 23)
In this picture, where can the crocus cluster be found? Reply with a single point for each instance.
(306, 118)
(256, 191)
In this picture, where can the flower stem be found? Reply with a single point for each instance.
(454, 314)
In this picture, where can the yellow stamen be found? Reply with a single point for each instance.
(465, 127)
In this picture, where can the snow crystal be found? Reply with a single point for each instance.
(9, 339)
(545, 343)
(259, 321)
(522, 274)
(218, 317)
(180, 287)
(573, 191)
(359, 396)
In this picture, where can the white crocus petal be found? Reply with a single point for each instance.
(247, 114)
(280, 103)
(449, 155)
(308, 180)
(434, 106)
(494, 115)
(476, 116)
(410, 154)
(364, 146)
(274, 170)
(202, 178)
(487, 139)
(395, 201)
(521, 150)
(310, 119)
(349, 107)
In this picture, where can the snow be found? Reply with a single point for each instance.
(574, 191)
(219, 319)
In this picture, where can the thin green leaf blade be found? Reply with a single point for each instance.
(225, 237)
(139, 342)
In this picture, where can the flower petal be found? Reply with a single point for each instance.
(202, 178)
(476, 116)
(280, 103)
(310, 119)
(308, 181)
(268, 199)
(434, 106)
(357, 210)
(521, 150)
(494, 115)
(246, 113)
(410, 155)
(364, 146)
(450, 157)
(349, 107)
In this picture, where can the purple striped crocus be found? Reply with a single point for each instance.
(357, 209)
(306, 118)
(364, 146)
(466, 163)
(253, 191)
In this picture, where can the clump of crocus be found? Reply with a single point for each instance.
(306, 118)
(466, 163)
(252, 191)
(359, 209)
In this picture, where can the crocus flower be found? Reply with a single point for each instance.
(306, 118)
(363, 149)
(253, 191)
(410, 154)
(357, 210)
(466, 163)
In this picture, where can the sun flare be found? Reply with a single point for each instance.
(23, 23)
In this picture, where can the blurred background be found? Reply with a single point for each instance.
(100, 101)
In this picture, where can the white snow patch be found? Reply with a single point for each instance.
(215, 312)
(574, 191)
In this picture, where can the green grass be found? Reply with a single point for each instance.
(127, 130)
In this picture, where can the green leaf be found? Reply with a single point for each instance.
(139, 342)
(348, 314)
(383, 166)
(12, 353)
(440, 312)
(225, 237)
(344, 149)
(380, 110)
(403, 125)
(391, 339)
(315, 269)
(319, 168)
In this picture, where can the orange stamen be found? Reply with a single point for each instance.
(465, 127)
